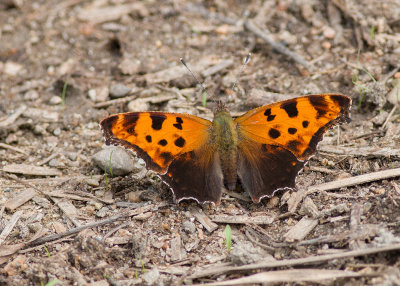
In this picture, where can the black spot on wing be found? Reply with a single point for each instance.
(180, 142)
(157, 121)
(270, 116)
(292, 130)
(319, 103)
(274, 133)
(305, 123)
(162, 142)
(178, 124)
(148, 138)
(290, 108)
(130, 119)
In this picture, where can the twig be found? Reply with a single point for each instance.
(116, 101)
(389, 116)
(8, 228)
(10, 120)
(294, 262)
(90, 225)
(6, 146)
(277, 46)
(358, 180)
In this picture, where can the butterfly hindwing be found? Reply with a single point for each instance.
(276, 140)
(264, 169)
(196, 175)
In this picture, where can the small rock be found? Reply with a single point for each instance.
(72, 155)
(55, 163)
(34, 227)
(129, 66)
(12, 69)
(57, 131)
(117, 159)
(39, 130)
(55, 100)
(246, 253)
(189, 226)
(12, 138)
(151, 276)
(99, 94)
(102, 212)
(138, 105)
(31, 95)
(394, 95)
(92, 94)
(119, 90)
(134, 197)
(329, 32)
(92, 182)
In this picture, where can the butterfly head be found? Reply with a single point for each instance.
(221, 107)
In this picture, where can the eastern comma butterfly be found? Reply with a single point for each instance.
(265, 147)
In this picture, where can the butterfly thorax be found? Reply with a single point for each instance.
(226, 138)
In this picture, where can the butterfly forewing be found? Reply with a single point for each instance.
(296, 124)
(157, 137)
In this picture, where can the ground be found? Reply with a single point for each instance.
(65, 65)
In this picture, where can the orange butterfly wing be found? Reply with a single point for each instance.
(275, 140)
(174, 145)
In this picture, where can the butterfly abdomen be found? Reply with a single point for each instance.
(226, 139)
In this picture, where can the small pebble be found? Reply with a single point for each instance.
(102, 212)
(55, 100)
(116, 160)
(189, 226)
(31, 95)
(119, 90)
(57, 131)
(92, 182)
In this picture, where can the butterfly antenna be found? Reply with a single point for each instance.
(245, 62)
(198, 81)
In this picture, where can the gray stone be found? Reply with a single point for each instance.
(119, 90)
(151, 276)
(189, 226)
(115, 160)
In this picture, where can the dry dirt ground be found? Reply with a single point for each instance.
(66, 64)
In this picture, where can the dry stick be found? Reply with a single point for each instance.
(10, 120)
(358, 180)
(6, 146)
(295, 262)
(119, 100)
(8, 228)
(90, 225)
(277, 46)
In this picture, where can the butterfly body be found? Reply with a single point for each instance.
(265, 147)
(226, 140)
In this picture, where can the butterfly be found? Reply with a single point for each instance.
(265, 148)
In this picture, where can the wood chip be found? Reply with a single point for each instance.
(176, 251)
(301, 229)
(20, 199)
(31, 170)
(11, 119)
(221, 269)
(97, 15)
(6, 146)
(362, 179)
(203, 219)
(242, 219)
(9, 227)
(292, 275)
